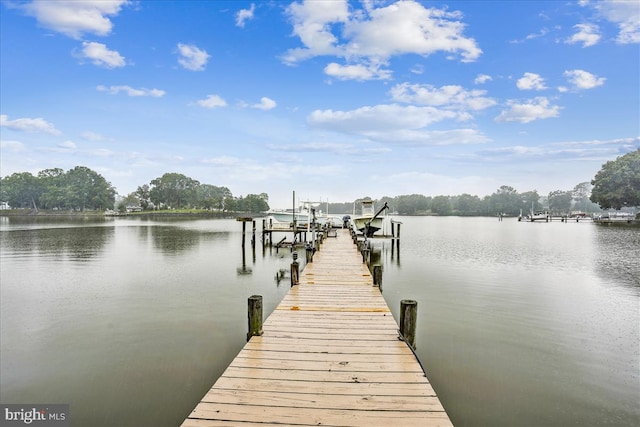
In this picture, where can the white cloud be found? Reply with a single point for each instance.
(101, 56)
(265, 104)
(328, 147)
(427, 137)
(543, 32)
(244, 15)
(11, 146)
(451, 96)
(357, 72)
(531, 81)
(581, 79)
(92, 136)
(28, 125)
(378, 118)
(396, 124)
(533, 109)
(192, 58)
(482, 78)
(408, 27)
(625, 14)
(368, 38)
(212, 101)
(75, 18)
(67, 146)
(417, 69)
(114, 90)
(587, 34)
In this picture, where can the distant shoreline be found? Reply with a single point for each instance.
(30, 213)
(26, 213)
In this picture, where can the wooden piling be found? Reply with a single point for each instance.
(408, 320)
(377, 276)
(365, 254)
(295, 270)
(254, 315)
(253, 234)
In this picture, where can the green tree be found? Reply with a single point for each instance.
(505, 200)
(142, 193)
(441, 205)
(87, 189)
(617, 184)
(466, 204)
(530, 201)
(211, 197)
(22, 190)
(581, 193)
(412, 204)
(252, 203)
(55, 191)
(560, 201)
(173, 190)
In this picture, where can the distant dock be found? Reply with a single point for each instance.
(329, 355)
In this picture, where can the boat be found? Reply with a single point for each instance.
(288, 215)
(539, 216)
(367, 222)
(305, 211)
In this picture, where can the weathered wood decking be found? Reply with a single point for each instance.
(330, 355)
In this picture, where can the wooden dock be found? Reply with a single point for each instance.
(329, 355)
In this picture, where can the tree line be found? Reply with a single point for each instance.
(505, 200)
(178, 191)
(616, 185)
(81, 189)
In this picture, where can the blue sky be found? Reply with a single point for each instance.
(334, 99)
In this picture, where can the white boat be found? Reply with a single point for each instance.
(368, 222)
(302, 215)
(539, 216)
(287, 216)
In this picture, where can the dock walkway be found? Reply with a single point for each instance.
(329, 355)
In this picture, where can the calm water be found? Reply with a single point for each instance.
(131, 321)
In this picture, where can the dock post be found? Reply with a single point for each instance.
(365, 252)
(253, 234)
(309, 252)
(254, 314)
(244, 231)
(408, 319)
(295, 270)
(377, 276)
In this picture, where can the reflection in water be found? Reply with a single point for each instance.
(243, 270)
(521, 324)
(173, 240)
(78, 243)
(618, 255)
(149, 312)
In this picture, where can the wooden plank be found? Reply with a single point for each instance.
(314, 384)
(312, 398)
(379, 377)
(318, 416)
(329, 355)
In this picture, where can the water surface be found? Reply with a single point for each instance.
(132, 320)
